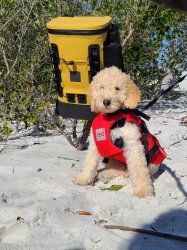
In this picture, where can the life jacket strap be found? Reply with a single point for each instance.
(132, 111)
(153, 151)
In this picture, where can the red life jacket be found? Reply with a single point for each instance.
(101, 127)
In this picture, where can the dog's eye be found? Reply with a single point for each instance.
(117, 88)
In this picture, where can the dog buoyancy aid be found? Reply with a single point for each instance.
(101, 128)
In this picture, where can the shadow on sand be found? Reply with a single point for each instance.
(172, 222)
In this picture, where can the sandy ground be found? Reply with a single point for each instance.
(39, 204)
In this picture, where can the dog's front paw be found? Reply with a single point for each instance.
(143, 191)
(84, 180)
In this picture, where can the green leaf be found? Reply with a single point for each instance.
(114, 188)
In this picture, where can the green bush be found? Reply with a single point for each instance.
(26, 81)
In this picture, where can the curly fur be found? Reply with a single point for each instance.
(115, 88)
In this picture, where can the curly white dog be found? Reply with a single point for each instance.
(110, 91)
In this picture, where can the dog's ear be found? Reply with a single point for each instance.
(133, 95)
(91, 93)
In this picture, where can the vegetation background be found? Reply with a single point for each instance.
(154, 41)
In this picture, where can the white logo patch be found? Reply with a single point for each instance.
(100, 134)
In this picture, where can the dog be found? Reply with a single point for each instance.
(111, 91)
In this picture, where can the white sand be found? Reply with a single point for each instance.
(47, 200)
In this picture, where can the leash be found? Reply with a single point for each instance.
(151, 103)
(163, 93)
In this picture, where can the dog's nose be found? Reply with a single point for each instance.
(106, 102)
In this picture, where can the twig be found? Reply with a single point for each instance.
(74, 130)
(24, 30)
(4, 146)
(144, 231)
(85, 134)
(86, 130)
(10, 19)
(61, 130)
(65, 158)
(182, 202)
(130, 33)
(5, 60)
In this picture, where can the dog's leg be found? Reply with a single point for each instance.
(136, 162)
(153, 169)
(89, 170)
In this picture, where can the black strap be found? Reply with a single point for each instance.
(163, 93)
(145, 144)
(149, 154)
(133, 111)
(153, 151)
(140, 113)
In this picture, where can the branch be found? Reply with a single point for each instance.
(85, 134)
(149, 232)
(130, 33)
(61, 130)
(4, 146)
(20, 45)
(5, 60)
(10, 19)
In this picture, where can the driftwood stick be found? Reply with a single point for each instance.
(85, 134)
(65, 158)
(144, 231)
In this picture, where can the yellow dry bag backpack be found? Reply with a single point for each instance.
(80, 47)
